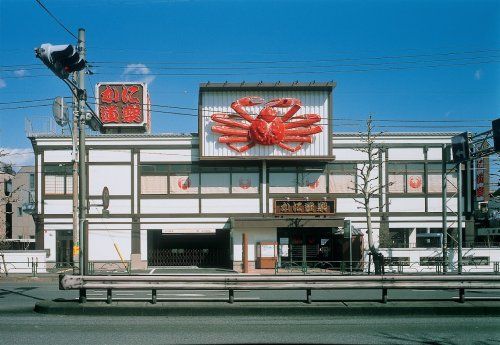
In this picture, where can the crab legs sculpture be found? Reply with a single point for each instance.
(268, 127)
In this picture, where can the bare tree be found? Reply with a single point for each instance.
(369, 184)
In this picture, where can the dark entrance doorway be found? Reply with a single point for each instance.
(64, 248)
(317, 247)
(201, 250)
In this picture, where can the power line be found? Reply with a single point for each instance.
(54, 17)
(394, 63)
(304, 72)
(305, 61)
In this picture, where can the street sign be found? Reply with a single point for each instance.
(347, 228)
(460, 147)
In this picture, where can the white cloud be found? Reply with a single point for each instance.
(20, 72)
(17, 157)
(138, 72)
(2, 83)
(478, 74)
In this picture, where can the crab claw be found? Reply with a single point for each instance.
(283, 102)
(249, 101)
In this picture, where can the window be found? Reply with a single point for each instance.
(58, 179)
(190, 179)
(435, 179)
(154, 184)
(399, 238)
(32, 181)
(215, 183)
(312, 182)
(342, 178)
(429, 238)
(282, 182)
(406, 177)
(20, 211)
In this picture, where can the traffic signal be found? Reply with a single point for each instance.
(495, 125)
(460, 147)
(61, 59)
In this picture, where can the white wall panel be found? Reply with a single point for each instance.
(434, 153)
(116, 206)
(255, 235)
(102, 244)
(407, 204)
(406, 154)
(116, 177)
(348, 205)
(313, 102)
(165, 155)
(169, 206)
(39, 184)
(342, 154)
(49, 242)
(57, 156)
(230, 205)
(435, 204)
(114, 155)
(144, 244)
(52, 206)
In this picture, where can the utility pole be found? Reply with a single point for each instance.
(82, 204)
(74, 143)
(460, 211)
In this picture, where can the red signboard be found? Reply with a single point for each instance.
(124, 104)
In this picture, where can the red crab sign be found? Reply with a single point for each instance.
(276, 124)
(123, 104)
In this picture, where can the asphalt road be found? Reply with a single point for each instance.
(20, 325)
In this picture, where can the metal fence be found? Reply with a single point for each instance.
(275, 282)
(35, 267)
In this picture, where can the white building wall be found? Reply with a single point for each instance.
(103, 245)
(169, 206)
(230, 206)
(110, 155)
(116, 177)
(255, 235)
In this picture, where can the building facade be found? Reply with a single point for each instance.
(210, 199)
(17, 198)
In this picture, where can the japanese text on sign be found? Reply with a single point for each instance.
(121, 103)
(304, 207)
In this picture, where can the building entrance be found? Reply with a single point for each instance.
(201, 250)
(317, 247)
(64, 248)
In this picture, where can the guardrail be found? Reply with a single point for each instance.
(273, 282)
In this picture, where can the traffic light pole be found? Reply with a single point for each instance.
(460, 211)
(82, 190)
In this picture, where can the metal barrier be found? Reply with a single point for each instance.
(274, 282)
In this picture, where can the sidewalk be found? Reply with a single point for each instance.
(270, 308)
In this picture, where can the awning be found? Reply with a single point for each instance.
(282, 222)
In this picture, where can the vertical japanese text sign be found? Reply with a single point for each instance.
(123, 104)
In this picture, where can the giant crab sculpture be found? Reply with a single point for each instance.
(268, 127)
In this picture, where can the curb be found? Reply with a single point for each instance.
(331, 309)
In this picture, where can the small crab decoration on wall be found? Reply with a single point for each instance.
(268, 128)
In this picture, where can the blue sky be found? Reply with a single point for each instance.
(398, 60)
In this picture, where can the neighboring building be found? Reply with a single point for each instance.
(17, 227)
(187, 199)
